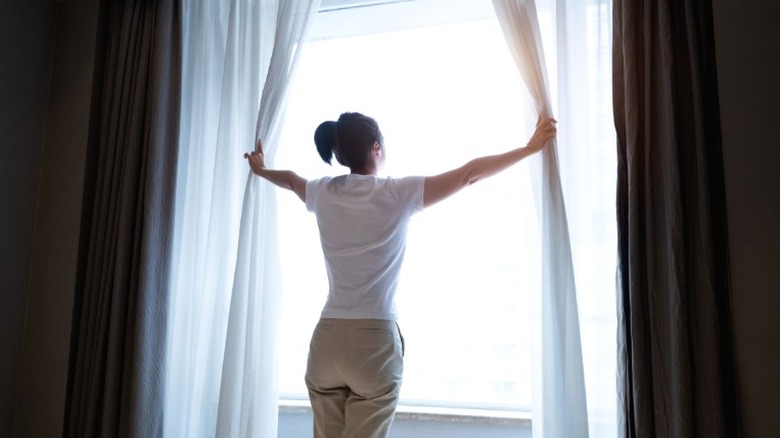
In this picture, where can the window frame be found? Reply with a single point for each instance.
(348, 18)
(350, 15)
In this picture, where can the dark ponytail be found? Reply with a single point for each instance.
(325, 139)
(350, 139)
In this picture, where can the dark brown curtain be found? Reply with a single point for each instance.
(675, 374)
(115, 384)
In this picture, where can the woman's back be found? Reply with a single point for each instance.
(363, 221)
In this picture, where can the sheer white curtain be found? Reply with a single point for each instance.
(238, 59)
(579, 65)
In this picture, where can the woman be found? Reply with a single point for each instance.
(356, 353)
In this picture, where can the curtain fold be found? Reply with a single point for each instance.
(248, 402)
(676, 366)
(559, 407)
(116, 371)
(239, 56)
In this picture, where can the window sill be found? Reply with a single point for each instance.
(433, 414)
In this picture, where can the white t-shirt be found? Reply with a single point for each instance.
(363, 221)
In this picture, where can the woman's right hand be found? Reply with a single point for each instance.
(256, 158)
(545, 130)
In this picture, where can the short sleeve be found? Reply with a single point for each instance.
(408, 192)
(313, 187)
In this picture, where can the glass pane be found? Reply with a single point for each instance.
(442, 95)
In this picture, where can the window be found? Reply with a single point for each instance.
(444, 90)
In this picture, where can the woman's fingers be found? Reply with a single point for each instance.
(549, 126)
(255, 159)
(541, 120)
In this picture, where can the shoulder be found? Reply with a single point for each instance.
(406, 181)
(313, 189)
(318, 182)
(407, 190)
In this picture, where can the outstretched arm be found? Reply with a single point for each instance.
(442, 186)
(285, 179)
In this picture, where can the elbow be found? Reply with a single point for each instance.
(471, 175)
(289, 182)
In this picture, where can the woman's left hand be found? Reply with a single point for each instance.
(545, 130)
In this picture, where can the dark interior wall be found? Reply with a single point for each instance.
(747, 37)
(26, 52)
(45, 351)
(47, 56)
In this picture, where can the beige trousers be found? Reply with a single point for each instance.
(354, 377)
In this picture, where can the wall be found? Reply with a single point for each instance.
(297, 422)
(748, 73)
(26, 51)
(44, 127)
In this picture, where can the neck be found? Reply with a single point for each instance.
(368, 170)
